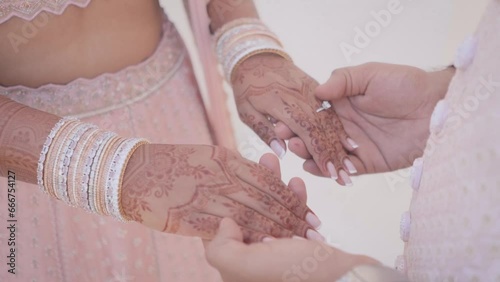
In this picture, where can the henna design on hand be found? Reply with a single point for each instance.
(224, 11)
(23, 131)
(268, 87)
(187, 189)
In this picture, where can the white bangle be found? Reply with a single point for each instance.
(70, 145)
(115, 174)
(76, 172)
(234, 23)
(238, 33)
(60, 150)
(87, 181)
(94, 173)
(45, 149)
(242, 38)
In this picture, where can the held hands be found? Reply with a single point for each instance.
(188, 189)
(277, 260)
(385, 108)
(269, 89)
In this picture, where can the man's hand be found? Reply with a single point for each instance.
(277, 260)
(385, 108)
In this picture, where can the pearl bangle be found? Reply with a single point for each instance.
(45, 150)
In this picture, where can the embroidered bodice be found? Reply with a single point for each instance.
(29, 9)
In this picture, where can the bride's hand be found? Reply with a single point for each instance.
(270, 89)
(188, 189)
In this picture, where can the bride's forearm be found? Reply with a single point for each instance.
(23, 131)
(224, 11)
(79, 163)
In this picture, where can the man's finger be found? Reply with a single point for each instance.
(228, 231)
(228, 237)
(223, 248)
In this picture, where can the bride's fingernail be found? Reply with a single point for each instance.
(277, 149)
(268, 239)
(353, 144)
(313, 220)
(345, 178)
(313, 235)
(298, 237)
(332, 171)
(350, 166)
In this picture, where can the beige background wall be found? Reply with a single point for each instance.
(424, 33)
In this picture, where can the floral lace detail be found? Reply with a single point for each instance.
(108, 91)
(29, 9)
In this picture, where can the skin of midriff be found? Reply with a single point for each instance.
(104, 37)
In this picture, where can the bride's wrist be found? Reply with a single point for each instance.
(257, 59)
(131, 177)
(222, 12)
(140, 199)
(244, 38)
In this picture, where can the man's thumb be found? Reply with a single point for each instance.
(222, 248)
(345, 82)
(229, 230)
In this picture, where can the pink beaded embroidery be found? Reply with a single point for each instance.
(29, 9)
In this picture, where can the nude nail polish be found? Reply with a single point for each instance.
(298, 238)
(277, 149)
(313, 220)
(353, 144)
(332, 171)
(347, 180)
(350, 166)
(313, 235)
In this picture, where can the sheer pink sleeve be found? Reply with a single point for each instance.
(218, 113)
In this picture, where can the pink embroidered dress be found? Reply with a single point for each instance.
(157, 99)
(451, 230)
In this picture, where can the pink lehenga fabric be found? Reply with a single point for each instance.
(157, 99)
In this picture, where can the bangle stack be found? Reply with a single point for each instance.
(240, 39)
(84, 166)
